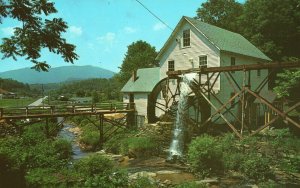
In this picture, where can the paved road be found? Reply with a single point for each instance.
(38, 102)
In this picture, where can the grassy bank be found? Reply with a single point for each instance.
(4, 103)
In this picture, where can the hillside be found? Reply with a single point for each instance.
(56, 75)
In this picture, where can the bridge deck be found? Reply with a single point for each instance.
(64, 110)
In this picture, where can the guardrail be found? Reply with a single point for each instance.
(54, 110)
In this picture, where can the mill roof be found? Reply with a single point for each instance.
(223, 39)
(147, 78)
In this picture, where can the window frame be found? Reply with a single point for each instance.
(186, 38)
(200, 61)
(171, 65)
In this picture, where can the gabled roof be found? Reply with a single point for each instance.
(222, 39)
(147, 78)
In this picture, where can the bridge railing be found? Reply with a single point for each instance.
(66, 109)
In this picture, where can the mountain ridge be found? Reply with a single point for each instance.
(57, 74)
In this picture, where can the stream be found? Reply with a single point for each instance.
(66, 134)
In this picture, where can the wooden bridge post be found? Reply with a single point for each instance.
(1, 112)
(47, 128)
(101, 131)
(131, 116)
(26, 110)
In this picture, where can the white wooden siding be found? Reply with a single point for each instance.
(188, 57)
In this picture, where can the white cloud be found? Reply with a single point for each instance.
(159, 26)
(76, 31)
(109, 38)
(8, 30)
(129, 30)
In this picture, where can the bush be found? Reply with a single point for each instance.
(142, 182)
(63, 148)
(94, 165)
(256, 167)
(115, 179)
(140, 146)
(205, 156)
(48, 177)
(191, 185)
(90, 139)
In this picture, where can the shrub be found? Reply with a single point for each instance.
(205, 156)
(140, 146)
(191, 185)
(48, 177)
(84, 122)
(142, 182)
(63, 148)
(90, 138)
(94, 165)
(115, 179)
(256, 167)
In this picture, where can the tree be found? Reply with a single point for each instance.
(221, 13)
(273, 26)
(35, 33)
(140, 54)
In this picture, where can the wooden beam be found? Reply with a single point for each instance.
(245, 67)
(221, 115)
(274, 119)
(266, 102)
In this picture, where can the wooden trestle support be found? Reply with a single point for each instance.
(244, 95)
(104, 112)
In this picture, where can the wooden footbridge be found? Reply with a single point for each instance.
(48, 111)
(104, 112)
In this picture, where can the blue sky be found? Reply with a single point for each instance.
(102, 29)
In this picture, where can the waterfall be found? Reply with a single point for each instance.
(177, 144)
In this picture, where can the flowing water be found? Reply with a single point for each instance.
(66, 134)
(177, 145)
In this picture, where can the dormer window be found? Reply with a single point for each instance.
(186, 38)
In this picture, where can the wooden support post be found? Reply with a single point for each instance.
(1, 112)
(283, 115)
(243, 102)
(26, 111)
(47, 128)
(274, 119)
(52, 109)
(222, 116)
(101, 131)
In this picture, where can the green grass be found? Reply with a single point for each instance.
(4, 103)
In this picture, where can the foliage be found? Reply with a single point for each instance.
(90, 139)
(205, 156)
(49, 177)
(4, 103)
(288, 84)
(62, 148)
(222, 13)
(35, 32)
(115, 179)
(141, 182)
(273, 26)
(191, 185)
(139, 54)
(256, 167)
(94, 165)
(140, 146)
(100, 89)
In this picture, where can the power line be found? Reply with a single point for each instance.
(154, 15)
